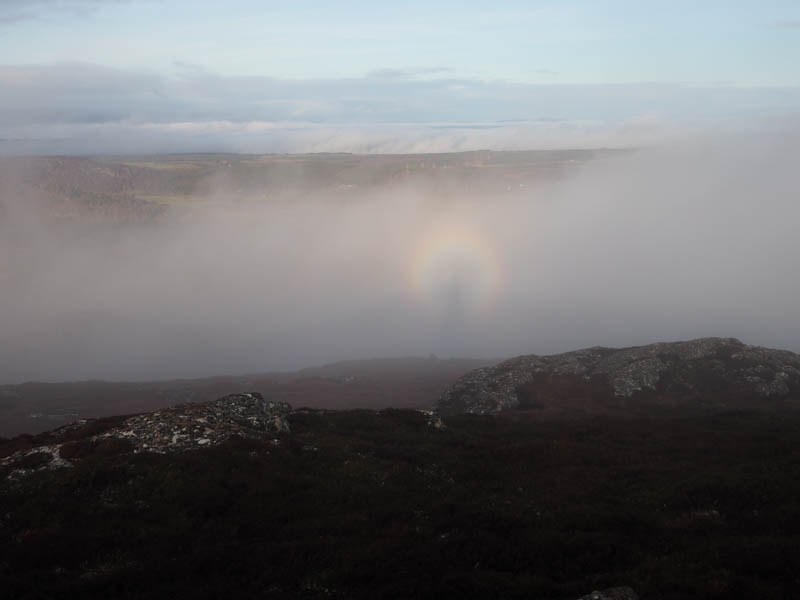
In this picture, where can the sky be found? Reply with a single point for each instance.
(150, 75)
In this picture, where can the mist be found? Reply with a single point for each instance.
(697, 237)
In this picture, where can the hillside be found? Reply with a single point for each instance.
(665, 471)
(242, 497)
(136, 189)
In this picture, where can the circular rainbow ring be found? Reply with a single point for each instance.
(456, 252)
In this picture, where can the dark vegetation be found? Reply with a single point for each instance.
(379, 505)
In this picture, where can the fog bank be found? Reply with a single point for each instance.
(692, 239)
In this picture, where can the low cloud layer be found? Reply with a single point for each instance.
(14, 11)
(695, 238)
(82, 108)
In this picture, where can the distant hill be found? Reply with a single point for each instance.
(410, 382)
(133, 189)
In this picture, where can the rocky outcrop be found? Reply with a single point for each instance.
(176, 429)
(616, 593)
(692, 368)
(433, 419)
(201, 424)
(42, 458)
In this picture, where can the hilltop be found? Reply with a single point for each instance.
(246, 496)
(706, 372)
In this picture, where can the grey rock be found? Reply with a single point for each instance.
(693, 367)
(276, 414)
(616, 593)
(50, 460)
(433, 419)
(204, 424)
(179, 428)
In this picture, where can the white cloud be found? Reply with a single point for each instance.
(90, 108)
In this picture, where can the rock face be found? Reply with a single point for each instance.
(433, 419)
(617, 593)
(176, 429)
(680, 369)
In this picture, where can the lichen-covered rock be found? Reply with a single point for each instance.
(433, 419)
(616, 593)
(194, 425)
(278, 422)
(707, 365)
(33, 460)
(176, 429)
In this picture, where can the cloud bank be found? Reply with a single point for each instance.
(694, 238)
(82, 108)
(14, 11)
